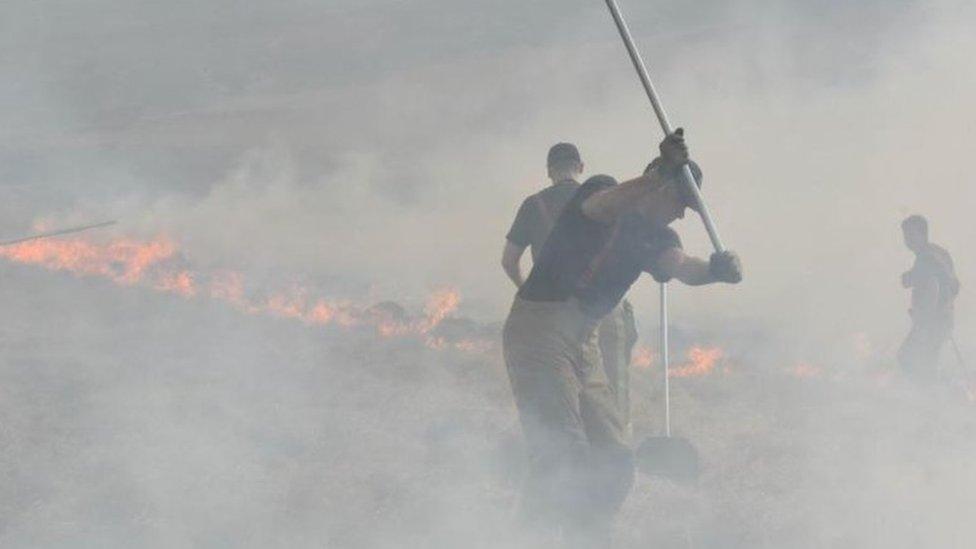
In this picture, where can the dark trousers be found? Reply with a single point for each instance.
(919, 353)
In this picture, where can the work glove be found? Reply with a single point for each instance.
(725, 267)
(674, 151)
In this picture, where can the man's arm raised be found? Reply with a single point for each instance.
(607, 205)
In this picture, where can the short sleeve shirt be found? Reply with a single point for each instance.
(538, 214)
(934, 263)
(595, 262)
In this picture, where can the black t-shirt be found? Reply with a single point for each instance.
(933, 263)
(538, 214)
(594, 262)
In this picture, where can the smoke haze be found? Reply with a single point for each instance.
(378, 151)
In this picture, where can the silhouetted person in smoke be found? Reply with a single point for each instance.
(581, 467)
(617, 333)
(934, 286)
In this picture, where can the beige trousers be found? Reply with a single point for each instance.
(617, 335)
(581, 465)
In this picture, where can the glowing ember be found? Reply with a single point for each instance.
(643, 357)
(228, 286)
(181, 283)
(804, 370)
(701, 361)
(287, 305)
(439, 305)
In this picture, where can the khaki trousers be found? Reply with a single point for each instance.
(581, 465)
(617, 335)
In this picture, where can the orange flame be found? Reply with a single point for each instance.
(804, 370)
(439, 305)
(124, 261)
(181, 283)
(701, 361)
(643, 357)
(128, 261)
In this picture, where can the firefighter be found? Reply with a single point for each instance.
(581, 464)
(934, 287)
(617, 333)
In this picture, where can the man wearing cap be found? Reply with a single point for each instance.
(581, 464)
(617, 333)
(932, 280)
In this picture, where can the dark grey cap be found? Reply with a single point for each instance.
(561, 153)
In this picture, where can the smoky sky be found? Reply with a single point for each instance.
(107, 98)
(378, 151)
(388, 144)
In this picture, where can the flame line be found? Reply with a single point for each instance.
(129, 262)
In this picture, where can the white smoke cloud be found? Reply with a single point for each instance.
(382, 151)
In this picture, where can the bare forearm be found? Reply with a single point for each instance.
(607, 205)
(694, 272)
(514, 273)
(511, 262)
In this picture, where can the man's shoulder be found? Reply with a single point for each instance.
(936, 253)
(939, 251)
(933, 260)
(942, 257)
(567, 188)
(554, 197)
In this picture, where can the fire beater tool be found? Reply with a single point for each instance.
(668, 456)
(56, 233)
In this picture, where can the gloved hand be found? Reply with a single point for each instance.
(725, 267)
(674, 151)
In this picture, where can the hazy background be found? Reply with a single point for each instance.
(309, 136)
(382, 149)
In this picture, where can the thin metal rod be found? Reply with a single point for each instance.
(955, 347)
(662, 117)
(56, 233)
(665, 359)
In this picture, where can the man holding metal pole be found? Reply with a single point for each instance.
(608, 234)
(617, 333)
(934, 286)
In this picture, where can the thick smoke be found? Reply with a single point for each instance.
(379, 152)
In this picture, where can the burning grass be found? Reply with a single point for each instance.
(158, 264)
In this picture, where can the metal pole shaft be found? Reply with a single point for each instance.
(662, 117)
(955, 347)
(56, 233)
(665, 359)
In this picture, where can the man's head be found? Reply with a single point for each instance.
(915, 229)
(563, 162)
(669, 201)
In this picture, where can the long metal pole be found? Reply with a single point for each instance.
(56, 233)
(662, 117)
(665, 359)
(955, 347)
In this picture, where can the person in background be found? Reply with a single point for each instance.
(581, 464)
(617, 333)
(934, 286)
